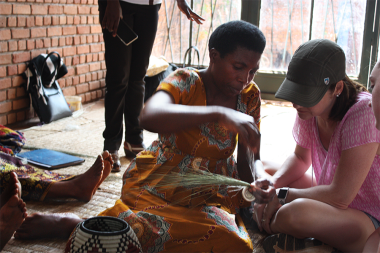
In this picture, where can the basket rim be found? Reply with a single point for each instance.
(125, 229)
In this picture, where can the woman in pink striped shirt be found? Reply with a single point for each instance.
(335, 132)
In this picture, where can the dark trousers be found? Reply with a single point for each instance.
(126, 69)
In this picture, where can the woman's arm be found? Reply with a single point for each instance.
(293, 168)
(352, 170)
(162, 115)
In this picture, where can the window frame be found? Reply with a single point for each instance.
(270, 81)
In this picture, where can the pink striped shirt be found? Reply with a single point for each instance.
(356, 128)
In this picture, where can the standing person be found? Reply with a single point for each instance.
(335, 133)
(126, 69)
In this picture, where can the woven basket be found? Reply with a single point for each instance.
(103, 234)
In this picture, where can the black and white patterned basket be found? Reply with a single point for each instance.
(103, 234)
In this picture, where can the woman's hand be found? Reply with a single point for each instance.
(263, 191)
(264, 213)
(112, 17)
(185, 9)
(244, 125)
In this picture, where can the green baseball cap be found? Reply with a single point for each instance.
(314, 66)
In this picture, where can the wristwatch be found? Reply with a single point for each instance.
(282, 194)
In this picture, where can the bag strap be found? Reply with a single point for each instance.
(56, 69)
(188, 52)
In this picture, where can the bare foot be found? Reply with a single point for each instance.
(13, 187)
(12, 214)
(108, 163)
(38, 226)
(81, 187)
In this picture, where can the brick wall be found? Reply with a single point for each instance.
(31, 27)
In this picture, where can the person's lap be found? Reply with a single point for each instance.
(344, 229)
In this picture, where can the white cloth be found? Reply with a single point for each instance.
(142, 2)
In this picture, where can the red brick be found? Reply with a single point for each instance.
(76, 40)
(5, 59)
(93, 95)
(96, 19)
(70, 71)
(96, 29)
(82, 69)
(20, 33)
(39, 9)
(62, 41)
(83, 1)
(83, 10)
(90, 2)
(17, 81)
(62, 20)
(55, 9)
(20, 92)
(11, 93)
(82, 59)
(94, 11)
(95, 48)
(21, 21)
(20, 57)
(47, 43)
(83, 49)
(20, 116)
(75, 80)
(103, 65)
(100, 74)
(5, 83)
(3, 21)
(76, 20)
(3, 46)
(54, 42)
(5, 34)
(21, 9)
(5, 9)
(61, 83)
(39, 21)
(83, 39)
(90, 20)
(3, 71)
(69, 82)
(70, 91)
(83, 20)
(94, 66)
(55, 20)
(70, 9)
(21, 68)
(83, 29)
(12, 45)
(12, 21)
(38, 32)
(69, 30)
(47, 21)
(82, 88)
(3, 120)
(75, 60)
(89, 58)
(68, 51)
(39, 43)
(94, 85)
(95, 57)
(30, 44)
(30, 21)
(20, 103)
(35, 53)
(82, 78)
(69, 41)
(88, 97)
(70, 20)
(21, 45)
(99, 94)
(68, 60)
(11, 118)
(54, 31)
(89, 38)
(88, 77)
(12, 70)
(3, 95)
(5, 107)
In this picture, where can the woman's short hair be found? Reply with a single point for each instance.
(346, 99)
(228, 36)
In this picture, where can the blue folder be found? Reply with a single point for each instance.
(50, 159)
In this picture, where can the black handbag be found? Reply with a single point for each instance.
(46, 96)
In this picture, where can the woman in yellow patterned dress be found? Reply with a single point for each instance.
(201, 116)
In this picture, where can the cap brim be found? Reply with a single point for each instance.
(303, 95)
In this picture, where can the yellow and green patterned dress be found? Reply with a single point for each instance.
(179, 219)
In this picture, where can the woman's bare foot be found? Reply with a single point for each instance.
(38, 226)
(81, 187)
(12, 214)
(13, 187)
(108, 163)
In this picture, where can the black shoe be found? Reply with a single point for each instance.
(116, 161)
(287, 243)
(132, 151)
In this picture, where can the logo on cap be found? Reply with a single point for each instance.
(326, 80)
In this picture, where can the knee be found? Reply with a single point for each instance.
(292, 218)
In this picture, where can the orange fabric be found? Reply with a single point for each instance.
(176, 218)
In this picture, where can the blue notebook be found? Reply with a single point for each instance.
(50, 159)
